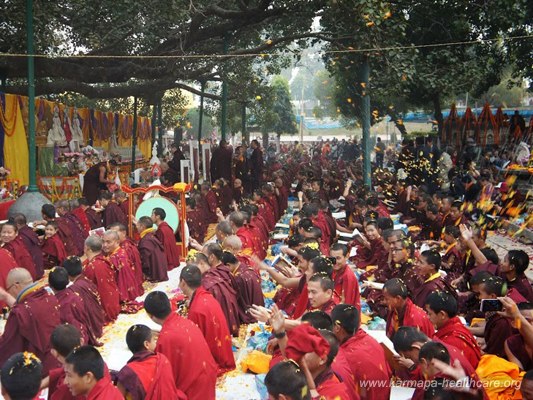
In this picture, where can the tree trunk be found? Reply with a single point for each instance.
(265, 139)
(438, 115)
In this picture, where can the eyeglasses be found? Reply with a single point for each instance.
(395, 250)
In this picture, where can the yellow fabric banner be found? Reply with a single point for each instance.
(16, 157)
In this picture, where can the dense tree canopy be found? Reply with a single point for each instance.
(120, 43)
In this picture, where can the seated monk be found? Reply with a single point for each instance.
(34, 315)
(237, 220)
(123, 202)
(112, 212)
(54, 252)
(408, 341)
(206, 312)
(402, 311)
(319, 350)
(182, 342)
(64, 339)
(165, 235)
(248, 284)
(21, 376)
(79, 213)
(497, 328)
(147, 375)
(48, 211)
(197, 227)
(99, 270)
(319, 296)
(94, 218)
(72, 310)
(297, 284)
(346, 285)
(130, 247)
(85, 375)
(129, 286)
(84, 288)
(442, 311)
(452, 260)
(31, 241)
(153, 259)
(11, 241)
(371, 250)
(427, 266)
(8, 263)
(208, 204)
(288, 380)
(364, 355)
(79, 234)
(259, 243)
(219, 281)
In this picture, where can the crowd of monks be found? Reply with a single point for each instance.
(60, 285)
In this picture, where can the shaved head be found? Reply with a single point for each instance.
(20, 275)
(17, 279)
(113, 235)
(232, 242)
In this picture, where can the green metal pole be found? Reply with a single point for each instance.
(160, 128)
(154, 122)
(224, 111)
(31, 97)
(201, 116)
(365, 116)
(243, 122)
(134, 134)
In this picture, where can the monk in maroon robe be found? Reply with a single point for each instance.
(97, 385)
(219, 281)
(266, 212)
(52, 248)
(206, 312)
(99, 270)
(165, 235)
(8, 263)
(282, 194)
(11, 241)
(402, 311)
(183, 343)
(66, 235)
(72, 310)
(147, 375)
(346, 285)
(78, 234)
(31, 241)
(64, 339)
(364, 354)
(207, 204)
(221, 160)
(112, 212)
(34, 315)
(247, 284)
(442, 310)
(153, 259)
(84, 288)
(131, 249)
(128, 285)
(305, 339)
(195, 222)
(427, 267)
(80, 214)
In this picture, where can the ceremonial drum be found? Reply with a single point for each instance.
(146, 207)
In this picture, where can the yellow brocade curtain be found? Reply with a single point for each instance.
(144, 138)
(16, 157)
